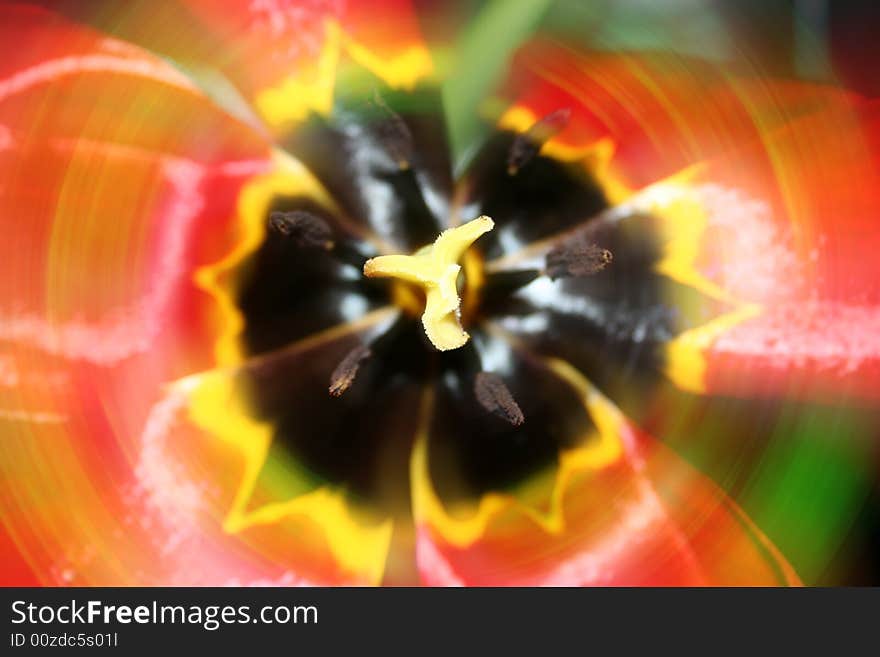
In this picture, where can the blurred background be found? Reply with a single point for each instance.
(813, 39)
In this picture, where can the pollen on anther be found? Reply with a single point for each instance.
(495, 397)
(344, 374)
(527, 145)
(304, 229)
(576, 259)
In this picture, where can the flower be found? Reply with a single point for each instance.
(185, 280)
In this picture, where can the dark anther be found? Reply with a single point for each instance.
(344, 374)
(394, 134)
(576, 258)
(303, 228)
(495, 397)
(527, 145)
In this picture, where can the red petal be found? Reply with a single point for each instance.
(624, 510)
(16, 571)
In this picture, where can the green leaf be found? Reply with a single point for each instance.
(811, 483)
(481, 56)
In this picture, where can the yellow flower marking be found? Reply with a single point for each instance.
(219, 403)
(685, 363)
(684, 222)
(311, 89)
(288, 177)
(220, 407)
(595, 157)
(435, 269)
(463, 526)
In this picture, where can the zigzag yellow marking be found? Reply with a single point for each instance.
(465, 525)
(289, 177)
(685, 363)
(311, 90)
(595, 157)
(540, 248)
(684, 224)
(217, 407)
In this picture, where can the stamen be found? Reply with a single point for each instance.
(344, 374)
(435, 268)
(528, 144)
(394, 134)
(303, 228)
(494, 396)
(576, 258)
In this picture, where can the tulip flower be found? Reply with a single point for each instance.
(262, 325)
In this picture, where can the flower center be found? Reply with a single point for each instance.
(341, 377)
(435, 269)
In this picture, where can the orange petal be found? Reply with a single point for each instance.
(120, 176)
(285, 55)
(789, 232)
(646, 117)
(766, 191)
(120, 179)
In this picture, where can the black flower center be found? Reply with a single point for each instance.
(499, 412)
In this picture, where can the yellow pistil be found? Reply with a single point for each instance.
(435, 268)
